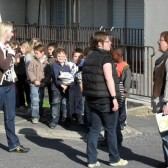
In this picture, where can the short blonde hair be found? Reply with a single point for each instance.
(26, 45)
(5, 28)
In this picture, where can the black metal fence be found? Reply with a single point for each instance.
(138, 56)
(71, 37)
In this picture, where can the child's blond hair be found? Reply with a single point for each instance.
(26, 45)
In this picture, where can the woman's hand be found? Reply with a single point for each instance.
(115, 105)
(165, 110)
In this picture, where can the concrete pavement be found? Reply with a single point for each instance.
(24, 126)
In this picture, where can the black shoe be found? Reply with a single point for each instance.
(122, 126)
(162, 165)
(52, 125)
(103, 143)
(63, 121)
(21, 149)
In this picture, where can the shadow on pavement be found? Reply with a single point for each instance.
(57, 144)
(4, 147)
(127, 154)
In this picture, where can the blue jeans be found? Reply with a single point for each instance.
(122, 113)
(7, 104)
(76, 102)
(37, 96)
(102, 115)
(164, 137)
(87, 114)
(59, 103)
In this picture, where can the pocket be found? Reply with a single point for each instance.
(103, 108)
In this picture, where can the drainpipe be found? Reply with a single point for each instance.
(39, 11)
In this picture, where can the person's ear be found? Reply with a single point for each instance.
(100, 44)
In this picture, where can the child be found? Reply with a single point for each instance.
(39, 75)
(20, 102)
(50, 48)
(20, 68)
(25, 51)
(124, 75)
(59, 89)
(34, 42)
(75, 93)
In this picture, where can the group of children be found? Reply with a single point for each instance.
(38, 67)
(35, 70)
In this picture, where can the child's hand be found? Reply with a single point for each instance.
(125, 95)
(17, 58)
(37, 83)
(64, 87)
(42, 84)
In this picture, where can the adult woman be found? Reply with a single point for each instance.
(99, 88)
(7, 88)
(160, 89)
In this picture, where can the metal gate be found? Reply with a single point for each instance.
(139, 57)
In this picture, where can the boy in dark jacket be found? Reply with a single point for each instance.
(59, 88)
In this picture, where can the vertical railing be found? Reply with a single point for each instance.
(76, 33)
(136, 54)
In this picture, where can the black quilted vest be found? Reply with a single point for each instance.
(94, 84)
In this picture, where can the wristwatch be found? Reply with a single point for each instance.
(166, 103)
(113, 97)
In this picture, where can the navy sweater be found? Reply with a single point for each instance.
(56, 68)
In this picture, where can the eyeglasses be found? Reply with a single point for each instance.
(107, 41)
(161, 40)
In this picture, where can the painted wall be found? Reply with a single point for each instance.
(93, 13)
(155, 21)
(13, 11)
(32, 13)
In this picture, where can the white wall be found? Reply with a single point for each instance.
(156, 21)
(13, 11)
(93, 13)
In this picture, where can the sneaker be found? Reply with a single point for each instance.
(122, 126)
(97, 164)
(35, 120)
(52, 125)
(21, 149)
(121, 162)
